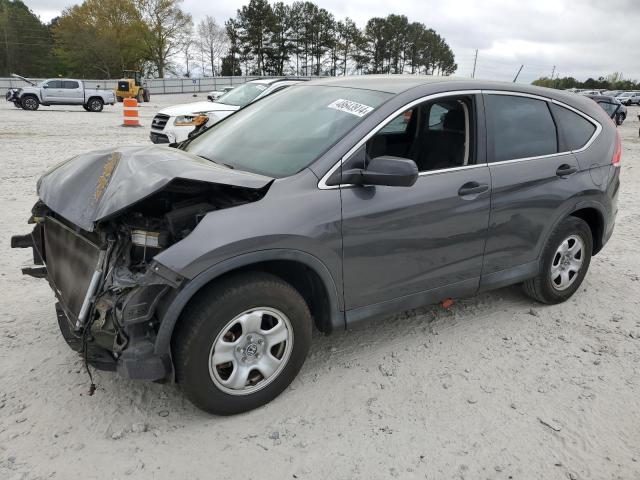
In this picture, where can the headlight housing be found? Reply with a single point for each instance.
(190, 120)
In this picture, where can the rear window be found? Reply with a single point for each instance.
(576, 130)
(70, 84)
(522, 127)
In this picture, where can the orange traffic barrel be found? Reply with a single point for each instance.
(130, 110)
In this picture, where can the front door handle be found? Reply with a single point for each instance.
(472, 188)
(565, 169)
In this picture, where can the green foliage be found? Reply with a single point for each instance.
(307, 40)
(100, 38)
(613, 81)
(26, 45)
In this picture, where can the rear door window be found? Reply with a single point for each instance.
(70, 85)
(576, 130)
(522, 127)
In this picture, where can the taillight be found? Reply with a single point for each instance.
(617, 152)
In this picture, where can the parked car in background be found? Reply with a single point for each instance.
(589, 92)
(612, 106)
(612, 93)
(216, 94)
(173, 124)
(342, 200)
(59, 91)
(629, 98)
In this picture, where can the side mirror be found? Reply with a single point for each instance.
(45, 86)
(386, 170)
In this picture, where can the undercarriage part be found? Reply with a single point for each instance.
(35, 272)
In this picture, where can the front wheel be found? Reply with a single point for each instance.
(565, 261)
(241, 342)
(30, 103)
(620, 119)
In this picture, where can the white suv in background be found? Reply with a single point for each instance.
(173, 124)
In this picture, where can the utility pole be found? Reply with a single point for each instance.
(517, 74)
(475, 60)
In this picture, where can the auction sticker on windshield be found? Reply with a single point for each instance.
(354, 108)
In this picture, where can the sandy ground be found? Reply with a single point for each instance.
(496, 387)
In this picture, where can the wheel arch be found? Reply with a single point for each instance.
(594, 218)
(305, 272)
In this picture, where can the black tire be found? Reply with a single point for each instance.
(619, 119)
(119, 99)
(146, 95)
(204, 320)
(542, 288)
(30, 102)
(139, 96)
(94, 104)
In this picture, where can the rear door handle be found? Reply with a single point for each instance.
(472, 188)
(565, 169)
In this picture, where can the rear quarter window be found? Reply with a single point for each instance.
(576, 130)
(521, 127)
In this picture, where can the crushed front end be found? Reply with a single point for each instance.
(107, 289)
(101, 219)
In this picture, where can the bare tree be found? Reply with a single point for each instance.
(166, 25)
(213, 40)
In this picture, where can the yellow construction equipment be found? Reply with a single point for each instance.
(131, 85)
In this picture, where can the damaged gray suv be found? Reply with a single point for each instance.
(327, 205)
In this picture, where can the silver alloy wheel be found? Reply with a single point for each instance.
(245, 357)
(30, 103)
(95, 105)
(567, 262)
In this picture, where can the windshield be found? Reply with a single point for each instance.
(243, 95)
(285, 132)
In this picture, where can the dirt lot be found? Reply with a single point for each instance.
(496, 387)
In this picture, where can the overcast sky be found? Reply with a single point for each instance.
(580, 37)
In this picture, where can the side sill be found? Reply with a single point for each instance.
(509, 276)
(358, 316)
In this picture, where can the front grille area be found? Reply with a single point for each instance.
(71, 260)
(159, 121)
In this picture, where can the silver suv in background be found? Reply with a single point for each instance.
(629, 98)
(60, 91)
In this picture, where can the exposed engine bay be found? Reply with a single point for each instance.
(106, 282)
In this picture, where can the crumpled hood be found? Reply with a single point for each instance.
(197, 107)
(96, 185)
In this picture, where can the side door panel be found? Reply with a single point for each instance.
(527, 194)
(399, 241)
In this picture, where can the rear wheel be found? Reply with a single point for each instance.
(30, 102)
(94, 105)
(241, 342)
(565, 261)
(139, 96)
(119, 99)
(146, 96)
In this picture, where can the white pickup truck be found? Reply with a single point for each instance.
(59, 91)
